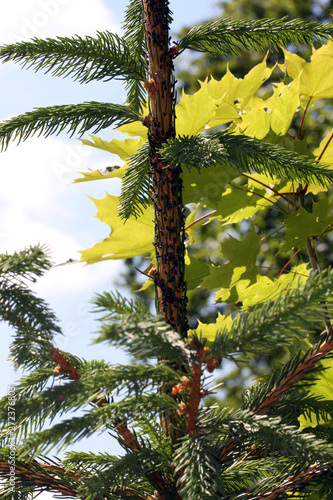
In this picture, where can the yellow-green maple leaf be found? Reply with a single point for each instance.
(124, 149)
(195, 271)
(98, 175)
(209, 331)
(239, 203)
(239, 272)
(134, 129)
(293, 64)
(255, 123)
(302, 224)
(283, 106)
(194, 112)
(321, 388)
(325, 150)
(134, 237)
(234, 94)
(316, 77)
(267, 289)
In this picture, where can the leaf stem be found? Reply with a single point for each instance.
(303, 117)
(287, 263)
(273, 190)
(324, 148)
(260, 196)
(270, 234)
(199, 219)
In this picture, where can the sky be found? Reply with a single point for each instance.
(38, 201)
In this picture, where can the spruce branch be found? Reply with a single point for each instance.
(28, 264)
(298, 369)
(132, 326)
(266, 397)
(110, 417)
(77, 118)
(242, 474)
(64, 480)
(119, 424)
(39, 476)
(115, 306)
(272, 488)
(246, 155)
(133, 471)
(199, 473)
(35, 324)
(136, 94)
(64, 366)
(293, 314)
(301, 402)
(228, 36)
(264, 434)
(133, 25)
(148, 338)
(294, 371)
(104, 57)
(136, 185)
(33, 321)
(67, 367)
(135, 36)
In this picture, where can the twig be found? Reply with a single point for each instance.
(38, 477)
(65, 366)
(193, 406)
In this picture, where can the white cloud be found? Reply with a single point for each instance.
(22, 20)
(38, 206)
(34, 173)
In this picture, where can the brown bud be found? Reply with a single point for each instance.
(57, 370)
(174, 51)
(182, 408)
(211, 365)
(152, 273)
(150, 86)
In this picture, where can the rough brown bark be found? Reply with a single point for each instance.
(166, 178)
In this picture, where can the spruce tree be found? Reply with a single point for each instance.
(174, 446)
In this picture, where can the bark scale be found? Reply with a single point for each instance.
(166, 178)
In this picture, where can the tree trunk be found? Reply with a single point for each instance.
(166, 178)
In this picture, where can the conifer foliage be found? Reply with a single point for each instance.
(279, 444)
